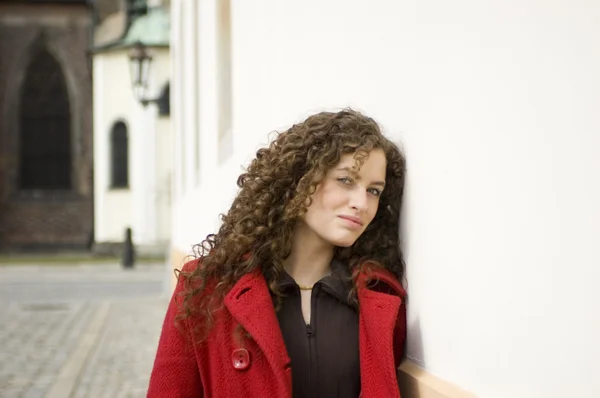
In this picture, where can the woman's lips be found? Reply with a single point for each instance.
(352, 221)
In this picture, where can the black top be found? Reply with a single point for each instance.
(324, 355)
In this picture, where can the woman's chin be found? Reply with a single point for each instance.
(343, 242)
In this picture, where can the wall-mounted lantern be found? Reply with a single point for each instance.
(140, 62)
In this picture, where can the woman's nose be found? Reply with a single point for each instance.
(358, 199)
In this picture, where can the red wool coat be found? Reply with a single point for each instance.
(222, 367)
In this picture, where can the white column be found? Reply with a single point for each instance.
(207, 86)
(177, 86)
(189, 102)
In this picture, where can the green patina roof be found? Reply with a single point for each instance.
(152, 29)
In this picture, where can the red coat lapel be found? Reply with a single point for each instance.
(250, 304)
(377, 319)
(378, 312)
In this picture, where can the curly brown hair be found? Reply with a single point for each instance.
(275, 192)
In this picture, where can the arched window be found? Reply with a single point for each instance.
(45, 126)
(119, 147)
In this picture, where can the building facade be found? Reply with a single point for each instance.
(496, 105)
(46, 188)
(132, 139)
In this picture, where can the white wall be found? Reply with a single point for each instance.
(195, 121)
(112, 207)
(153, 149)
(145, 205)
(496, 104)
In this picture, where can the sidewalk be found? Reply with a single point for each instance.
(87, 330)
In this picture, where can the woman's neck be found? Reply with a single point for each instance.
(310, 258)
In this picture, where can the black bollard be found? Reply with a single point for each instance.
(128, 250)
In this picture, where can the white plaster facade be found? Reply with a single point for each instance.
(496, 104)
(145, 204)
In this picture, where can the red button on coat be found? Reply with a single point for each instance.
(240, 359)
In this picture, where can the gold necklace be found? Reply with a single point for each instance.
(302, 287)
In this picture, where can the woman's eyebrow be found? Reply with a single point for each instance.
(348, 169)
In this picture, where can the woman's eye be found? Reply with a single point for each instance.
(345, 180)
(374, 191)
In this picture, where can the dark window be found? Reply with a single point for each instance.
(119, 156)
(45, 126)
(164, 101)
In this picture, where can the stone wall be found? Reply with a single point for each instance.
(46, 218)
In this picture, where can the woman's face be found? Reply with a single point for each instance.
(345, 203)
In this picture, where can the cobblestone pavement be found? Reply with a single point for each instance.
(79, 330)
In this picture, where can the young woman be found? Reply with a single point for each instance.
(298, 294)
